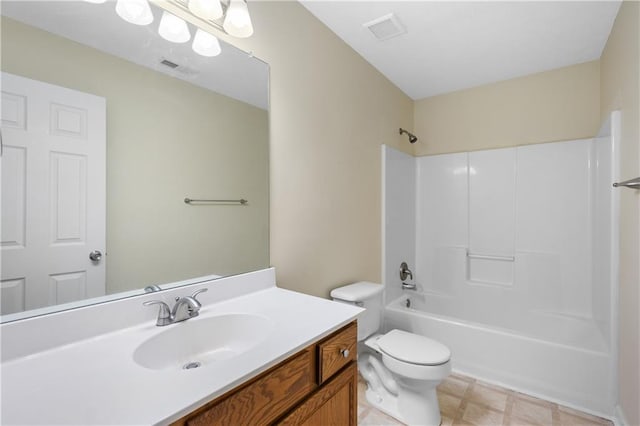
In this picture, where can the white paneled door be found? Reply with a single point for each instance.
(53, 194)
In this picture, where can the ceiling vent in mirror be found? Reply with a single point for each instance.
(178, 68)
(385, 27)
(169, 64)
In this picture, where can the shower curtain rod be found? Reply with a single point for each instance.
(631, 183)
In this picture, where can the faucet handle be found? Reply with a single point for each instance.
(164, 314)
(197, 292)
(405, 271)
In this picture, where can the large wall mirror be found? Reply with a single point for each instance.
(106, 129)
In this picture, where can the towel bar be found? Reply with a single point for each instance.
(491, 257)
(241, 201)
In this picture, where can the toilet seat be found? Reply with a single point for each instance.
(413, 348)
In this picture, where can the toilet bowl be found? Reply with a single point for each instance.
(418, 364)
(401, 369)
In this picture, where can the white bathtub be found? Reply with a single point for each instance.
(575, 375)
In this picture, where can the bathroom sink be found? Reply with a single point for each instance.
(199, 342)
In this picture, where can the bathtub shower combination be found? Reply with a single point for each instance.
(514, 254)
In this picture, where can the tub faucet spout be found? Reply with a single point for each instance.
(407, 286)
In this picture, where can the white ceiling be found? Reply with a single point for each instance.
(452, 45)
(233, 73)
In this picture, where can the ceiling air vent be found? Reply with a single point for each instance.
(385, 27)
(178, 68)
(168, 63)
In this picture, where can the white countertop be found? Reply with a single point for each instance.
(96, 381)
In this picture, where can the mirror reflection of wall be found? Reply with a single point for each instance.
(166, 139)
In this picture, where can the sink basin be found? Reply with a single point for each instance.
(202, 341)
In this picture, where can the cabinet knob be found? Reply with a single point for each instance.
(345, 353)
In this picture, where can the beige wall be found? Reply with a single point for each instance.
(620, 71)
(556, 105)
(330, 113)
(166, 139)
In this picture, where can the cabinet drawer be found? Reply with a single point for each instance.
(262, 400)
(336, 351)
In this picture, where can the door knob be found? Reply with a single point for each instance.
(95, 256)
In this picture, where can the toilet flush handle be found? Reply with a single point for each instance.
(345, 353)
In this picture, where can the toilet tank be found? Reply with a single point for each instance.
(368, 296)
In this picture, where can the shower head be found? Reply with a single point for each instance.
(412, 138)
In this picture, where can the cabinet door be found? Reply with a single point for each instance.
(265, 399)
(335, 403)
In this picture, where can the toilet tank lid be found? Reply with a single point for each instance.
(356, 292)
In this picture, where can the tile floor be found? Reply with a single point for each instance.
(466, 401)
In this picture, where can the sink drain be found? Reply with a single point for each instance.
(190, 365)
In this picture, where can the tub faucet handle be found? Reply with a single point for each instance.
(405, 272)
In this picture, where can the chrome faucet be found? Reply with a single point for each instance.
(405, 272)
(185, 308)
(407, 286)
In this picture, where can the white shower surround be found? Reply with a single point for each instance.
(544, 323)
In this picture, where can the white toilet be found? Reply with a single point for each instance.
(404, 384)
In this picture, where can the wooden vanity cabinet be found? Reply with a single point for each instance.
(316, 386)
(334, 403)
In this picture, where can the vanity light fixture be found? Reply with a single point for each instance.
(206, 9)
(206, 44)
(237, 21)
(173, 28)
(229, 16)
(135, 11)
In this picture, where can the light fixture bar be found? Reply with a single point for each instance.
(180, 8)
(240, 26)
